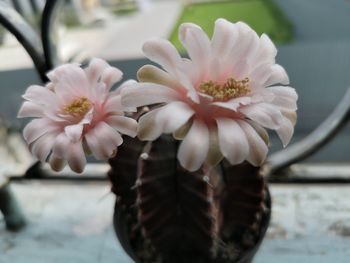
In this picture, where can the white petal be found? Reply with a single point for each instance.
(142, 94)
(233, 141)
(76, 157)
(194, 148)
(114, 105)
(173, 115)
(233, 104)
(285, 131)
(72, 80)
(30, 109)
(267, 51)
(164, 53)
(257, 147)
(247, 44)
(61, 146)
(150, 73)
(74, 132)
(284, 92)
(110, 76)
(264, 114)
(224, 38)
(149, 129)
(95, 69)
(123, 125)
(43, 146)
(197, 44)
(278, 76)
(40, 95)
(103, 140)
(37, 128)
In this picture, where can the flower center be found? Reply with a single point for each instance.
(230, 89)
(78, 106)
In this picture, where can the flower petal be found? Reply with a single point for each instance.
(149, 129)
(257, 147)
(76, 157)
(74, 132)
(150, 73)
(214, 154)
(30, 109)
(43, 146)
(37, 128)
(224, 38)
(233, 104)
(123, 125)
(110, 76)
(194, 148)
(40, 95)
(285, 131)
(56, 163)
(233, 141)
(95, 69)
(173, 116)
(103, 140)
(197, 44)
(278, 75)
(264, 114)
(163, 53)
(142, 94)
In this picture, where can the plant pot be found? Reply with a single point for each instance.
(165, 214)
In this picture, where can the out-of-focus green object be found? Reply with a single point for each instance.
(264, 16)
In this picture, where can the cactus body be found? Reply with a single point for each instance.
(165, 214)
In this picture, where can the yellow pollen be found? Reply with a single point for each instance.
(78, 106)
(230, 89)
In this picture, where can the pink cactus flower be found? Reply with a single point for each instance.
(76, 114)
(219, 101)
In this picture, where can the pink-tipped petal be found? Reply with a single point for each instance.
(30, 109)
(123, 125)
(194, 148)
(146, 94)
(232, 139)
(257, 147)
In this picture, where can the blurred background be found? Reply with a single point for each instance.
(313, 39)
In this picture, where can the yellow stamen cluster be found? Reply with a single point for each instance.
(79, 106)
(230, 89)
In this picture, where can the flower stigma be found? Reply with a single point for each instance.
(78, 106)
(230, 89)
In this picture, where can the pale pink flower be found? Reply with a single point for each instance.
(76, 114)
(220, 100)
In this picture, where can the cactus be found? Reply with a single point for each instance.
(166, 214)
